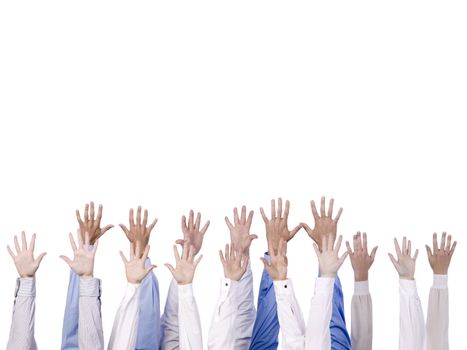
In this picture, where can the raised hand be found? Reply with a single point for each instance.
(440, 258)
(192, 234)
(91, 223)
(324, 223)
(277, 266)
(360, 259)
(277, 226)
(240, 232)
(185, 267)
(328, 256)
(139, 231)
(405, 263)
(234, 263)
(134, 268)
(24, 261)
(83, 259)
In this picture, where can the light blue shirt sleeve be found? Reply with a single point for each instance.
(340, 339)
(149, 324)
(266, 329)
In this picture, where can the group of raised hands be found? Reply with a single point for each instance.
(236, 324)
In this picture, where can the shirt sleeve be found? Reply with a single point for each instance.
(362, 317)
(149, 324)
(290, 316)
(266, 328)
(22, 325)
(318, 335)
(71, 317)
(438, 314)
(169, 323)
(126, 320)
(189, 321)
(412, 323)
(340, 338)
(234, 314)
(90, 332)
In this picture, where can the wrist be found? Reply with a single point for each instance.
(404, 277)
(361, 276)
(328, 274)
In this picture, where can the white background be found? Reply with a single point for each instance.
(214, 104)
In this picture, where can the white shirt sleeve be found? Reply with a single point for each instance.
(290, 316)
(188, 318)
(234, 315)
(125, 325)
(362, 317)
(318, 336)
(438, 314)
(90, 332)
(169, 322)
(412, 323)
(22, 325)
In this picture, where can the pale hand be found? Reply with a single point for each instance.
(405, 263)
(328, 256)
(185, 266)
(324, 223)
(192, 234)
(139, 231)
(240, 231)
(24, 260)
(234, 263)
(360, 259)
(91, 223)
(440, 257)
(134, 268)
(277, 266)
(83, 255)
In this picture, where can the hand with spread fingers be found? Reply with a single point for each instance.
(277, 225)
(24, 260)
(405, 263)
(360, 259)
(440, 257)
(328, 256)
(185, 266)
(277, 266)
(235, 263)
(324, 223)
(240, 236)
(139, 231)
(134, 268)
(83, 260)
(192, 234)
(91, 223)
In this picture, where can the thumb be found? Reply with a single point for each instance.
(171, 269)
(40, 257)
(66, 259)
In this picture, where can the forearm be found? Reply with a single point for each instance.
(290, 316)
(90, 333)
(126, 321)
(412, 323)
(438, 314)
(189, 321)
(22, 326)
(362, 317)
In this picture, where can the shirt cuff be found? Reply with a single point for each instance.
(284, 287)
(89, 287)
(408, 287)
(440, 281)
(26, 287)
(361, 288)
(323, 284)
(185, 291)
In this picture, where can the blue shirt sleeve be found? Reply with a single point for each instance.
(340, 339)
(71, 318)
(149, 322)
(266, 329)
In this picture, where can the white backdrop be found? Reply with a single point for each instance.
(214, 104)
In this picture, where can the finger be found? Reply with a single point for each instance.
(205, 227)
(171, 269)
(104, 230)
(72, 242)
(138, 216)
(132, 219)
(86, 213)
(365, 243)
(428, 251)
(356, 248)
(137, 249)
(252, 237)
(236, 218)
(149, 269)
(342, 259)
(287, 209)
(279, 208)
(146, 252)
(338, 216)
(404, 245)
(250, 218)
(91, 214)
(245, 260)
(132, 251)
(198, 260)
(198, 221)
(176, 254)
(295, 230)
(145, 218)
(79, 237)
(443, 241)
(40, 257)
(322, 208)
(307, 228)
(435, 243)
(316, 248)
(453, 248)
(96, 245)
(221, 256)
(191, 251)
(359, 242)
(99, 215)
(409, 248)
(150, 228)
(181, 242)
(331, 205)
(373, 253)
(184, 225)
(273, 209)
(415, 255)
(78, 217)
(265, 263)
(393, 260)
(191, 220)
(338, 244)
(265, 218)
(10, 252)
(396, 246)
(32, 245)
(347, 244)
(66, 259)
(229, 224)
(314, 211)
(24, 244)
(243, 217)
(126, 231)
(448, 244)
